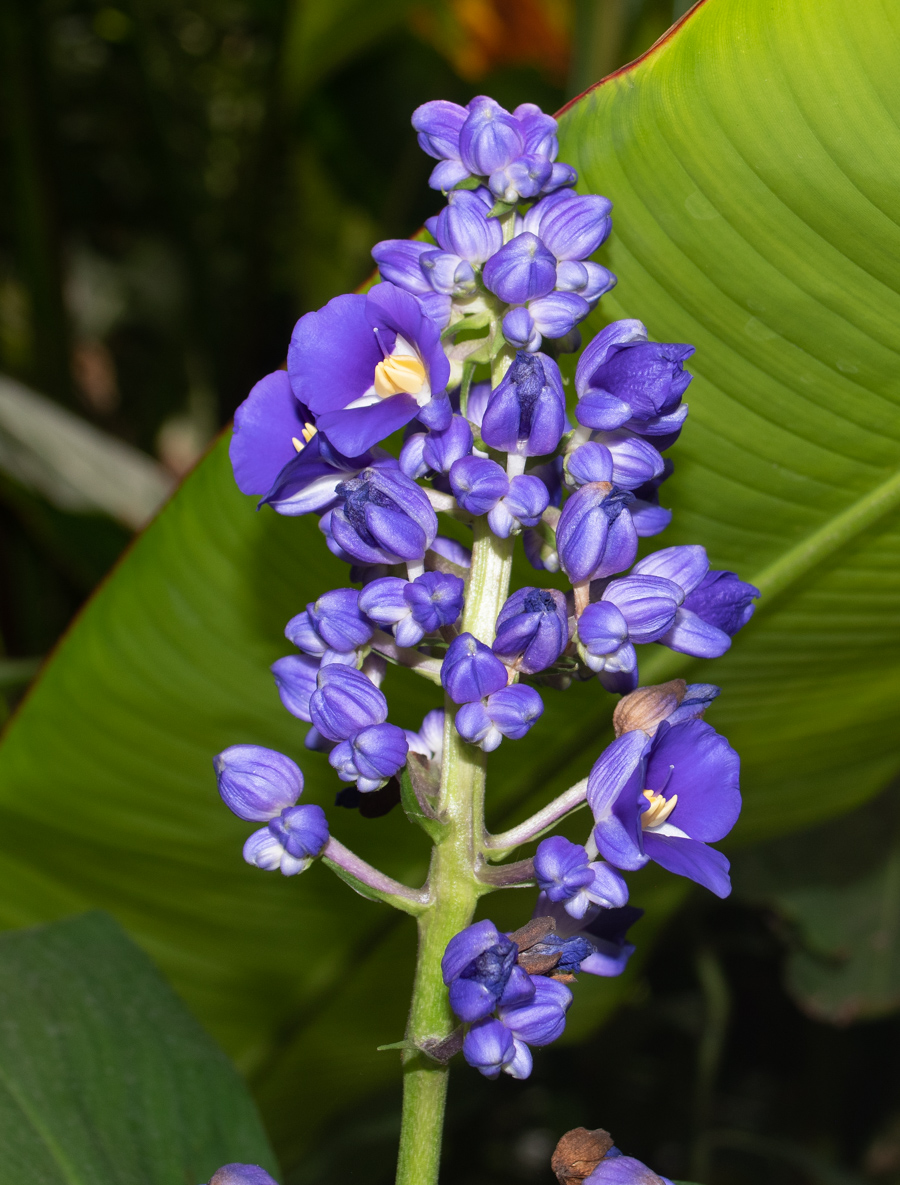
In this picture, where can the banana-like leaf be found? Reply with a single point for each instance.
(755, 168)
(105, 1079)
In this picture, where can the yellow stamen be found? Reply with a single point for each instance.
(659, 810)
(309, 431)
(399, 375)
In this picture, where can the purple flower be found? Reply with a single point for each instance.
(565, 873)
(520, 330)
(635, 461)
(414, 607)
(290, 842)
(308, 483)
(464, 229)
(470, 670)
(448, 273)
(523, 506)
(595, 535)
(367, 365)
(623, 1170)
(524, 177)
(332, 623)
(586, 279)
(429, 740)
(522, 269)
(724, 601)
(241, 1174)
(295, 679)
(666, 798)
(649, 517)
(441, 449)
(532, 629)
(537, 1021)
(400, 262)
(438, 124)
(624, 379)
(603, 931)
(383, 518)
(571, 225)
(526, 412)
(257, 783)
(478, 484)
(479, 967)
(370, 756)
(266, 425)
(490, 138)
(345, 701)
(557, 313)
(510, 712)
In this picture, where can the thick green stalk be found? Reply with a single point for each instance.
(453, 887)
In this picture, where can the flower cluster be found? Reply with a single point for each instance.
(450, 351)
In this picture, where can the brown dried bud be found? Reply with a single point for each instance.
(535, 964)
(533, 932)
(647, 707)
(578, 1153)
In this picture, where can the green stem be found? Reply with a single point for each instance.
(454, 889)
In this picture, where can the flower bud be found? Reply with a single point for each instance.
(383, 518)
(723, 600)
(370, 756)
(562, 175)
(571, 225)
(412, 456)
(686, 565)
(479, 968)
(538, 130)
(241, 1174)
(435, 599)
(447, 273)
(445, 175)
(522, 178)
(488, 1047)
(345, 701)
(463, 227)
(648, 604)
(526, 413)
(532, 629)
(584, 278)
(635, 461)
(621, 377)
(646, 708)
(399, 262)
(557, 313)
(510, 712)
(595, 536)
(441, 449)
(471, 670)
(290, 842)
(478, 484)
(523, 506)
(490, 137)
(602, 632)
(522, 269)
(589, 462)
(333, 622)
(438, 125)
(520, 330)
(295, 678)
(257, 783)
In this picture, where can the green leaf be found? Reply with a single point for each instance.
(106, 1079)
(755, 170)
(836, 890)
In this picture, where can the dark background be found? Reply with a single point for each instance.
(177, 185)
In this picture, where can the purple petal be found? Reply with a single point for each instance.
(265, 426)
(690, 634)
(693, 761)
(691, 858)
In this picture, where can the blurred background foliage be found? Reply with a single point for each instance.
(178, 183)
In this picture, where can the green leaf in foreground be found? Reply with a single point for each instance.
(755, 170)
(105, 1078)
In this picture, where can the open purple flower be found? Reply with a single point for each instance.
(367, 365)
(666, 798)
(270, 427)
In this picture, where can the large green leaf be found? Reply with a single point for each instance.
(755, 164)
(105, 1079)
